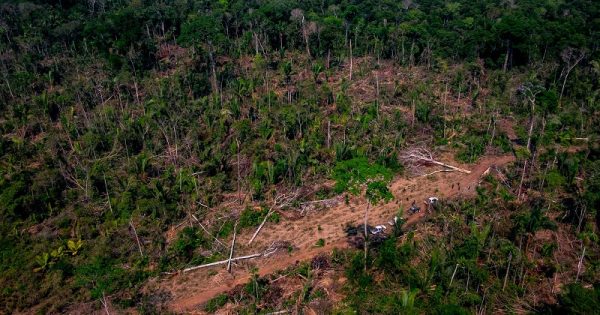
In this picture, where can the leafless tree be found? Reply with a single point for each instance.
(137, 239)
(580, 264)
(572, 57)
(529, 91)
(307, 27)
(350, 60)
(239, 188)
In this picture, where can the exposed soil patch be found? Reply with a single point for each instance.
(191, 290)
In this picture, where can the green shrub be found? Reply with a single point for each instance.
(250, 217)
(101, 276)
(187, 241)
(579, 300)
(216, 303)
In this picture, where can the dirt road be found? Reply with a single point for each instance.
(192, 289)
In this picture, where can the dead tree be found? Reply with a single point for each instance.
(519, 191)
(572, 57)
(223, 262)
(306, 26)
(530, 91)
(417, 157)
(366, 233)
(453, 274)
(107, 194)
(274, 247)
(507, 271)
(580, 264)
(137, 239)
(350, 78)
(237, 141)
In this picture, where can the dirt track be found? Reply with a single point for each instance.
(192, 289)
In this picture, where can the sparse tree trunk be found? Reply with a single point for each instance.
(305, 34)
(581, 217)
(137, 239)
(493, 129)
(412, 111)
(505, 66)
(377, 90)
(351, 60)
(522, 179)
(459, 93)
(107, 194)
(531, 94)
(239, 177)
(135, 85)
(213, 81)
(411, 58)
(444, 104)
(256, 52)
(468, 279)
(366, 233)
(531, 124)
(453, 274)
(403, 52)
(328, 133)
(580, 265)
(280, 41)
(567, 55)
(507, 271)
(232, 246)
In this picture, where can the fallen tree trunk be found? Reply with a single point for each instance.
(317, 201)
(232, 246)
(419, 156)
(261, 225)
(435, 172)
(279, 202)
(216, 263)
(428, 160)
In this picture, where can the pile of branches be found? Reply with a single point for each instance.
(416, 159)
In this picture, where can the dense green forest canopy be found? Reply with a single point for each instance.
(121, 117)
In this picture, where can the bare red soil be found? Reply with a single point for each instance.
(191, 290)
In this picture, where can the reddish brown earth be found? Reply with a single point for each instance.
(190, 290)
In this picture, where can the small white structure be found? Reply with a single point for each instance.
(378, 229)
(432, 200)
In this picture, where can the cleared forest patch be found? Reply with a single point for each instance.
(192, 289)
